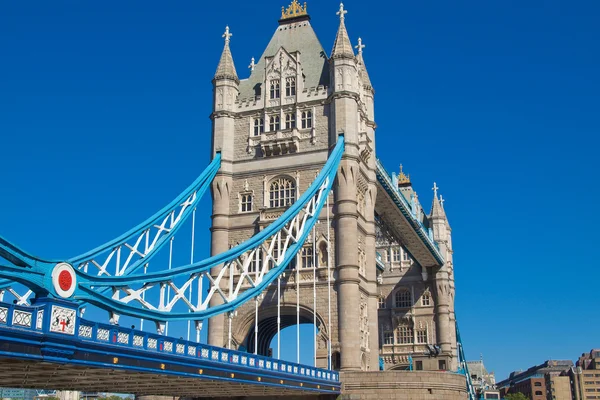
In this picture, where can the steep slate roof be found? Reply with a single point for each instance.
(293, 36)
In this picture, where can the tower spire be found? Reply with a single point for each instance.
(342, 48)
(361, 64)
(436, 207)
(226, 68)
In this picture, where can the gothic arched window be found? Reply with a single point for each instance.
(259, 126)
(274, 125)
(282, 192)
(402, 299)
(426, 299)
(307, 121)
(290, 121)
(290, 86)
(275, 93)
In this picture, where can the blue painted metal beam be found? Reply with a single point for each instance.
(43, 332)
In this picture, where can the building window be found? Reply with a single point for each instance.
(290, 121)
(275, 94)
(405, 256)
(282, 192)
(246, 202)
(419, 365)
(402, 299)
(396, 255)
(381, 302)
(388, 337)
(290, 86)
(259, 126)
(306, 257)
(442, 365)
(537, 384)
(422, 336)
(538, 393)
(274, 123)
(307, 121)
(256, 261)
(426, 299)
(405, 335)
(385, 255)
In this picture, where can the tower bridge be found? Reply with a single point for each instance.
(307, 227)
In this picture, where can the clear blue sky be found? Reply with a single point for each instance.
(104, 118)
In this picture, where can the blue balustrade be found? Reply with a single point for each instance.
(59, 318)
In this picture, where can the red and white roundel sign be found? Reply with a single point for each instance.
(64, 280)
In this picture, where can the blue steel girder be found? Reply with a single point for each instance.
(126, 254)
(255, 263)
(49, 338)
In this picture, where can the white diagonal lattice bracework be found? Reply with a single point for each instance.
(248, 269)
(130, 252)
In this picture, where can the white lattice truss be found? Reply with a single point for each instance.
(131, 251)
(126, 254)
(244, 271)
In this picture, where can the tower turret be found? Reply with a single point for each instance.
(225, 91)
(444, 281)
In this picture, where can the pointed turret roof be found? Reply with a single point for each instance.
(342, 48)
(226, 68)
(437, 210)
(362, 69)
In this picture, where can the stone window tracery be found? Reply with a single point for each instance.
(290, 121)
(307, 119)
(306, 257)
(274, 123)
(405, 334)
(396, 253)
(246, 202)
(422, 336)
(426, 299)
(282, 192)
(388, 337)
(381, 302)
(290, 86)
(259, 126)
(275, 90)
(402, 299)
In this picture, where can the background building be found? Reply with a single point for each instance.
(17, 394)
(547, 381)
(586, 376)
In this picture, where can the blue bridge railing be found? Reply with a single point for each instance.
(59, 319)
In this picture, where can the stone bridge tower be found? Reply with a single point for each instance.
(274, 130)
(392, 273)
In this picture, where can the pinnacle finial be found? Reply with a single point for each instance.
(442, 200)
(435, 189)
(227, 35)
(294, 10)
(342, 12)
(360, 48)
(402, 177)
(252, 64)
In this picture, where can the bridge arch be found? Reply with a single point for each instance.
(267, 326)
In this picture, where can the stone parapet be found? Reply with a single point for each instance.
(403, 385)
